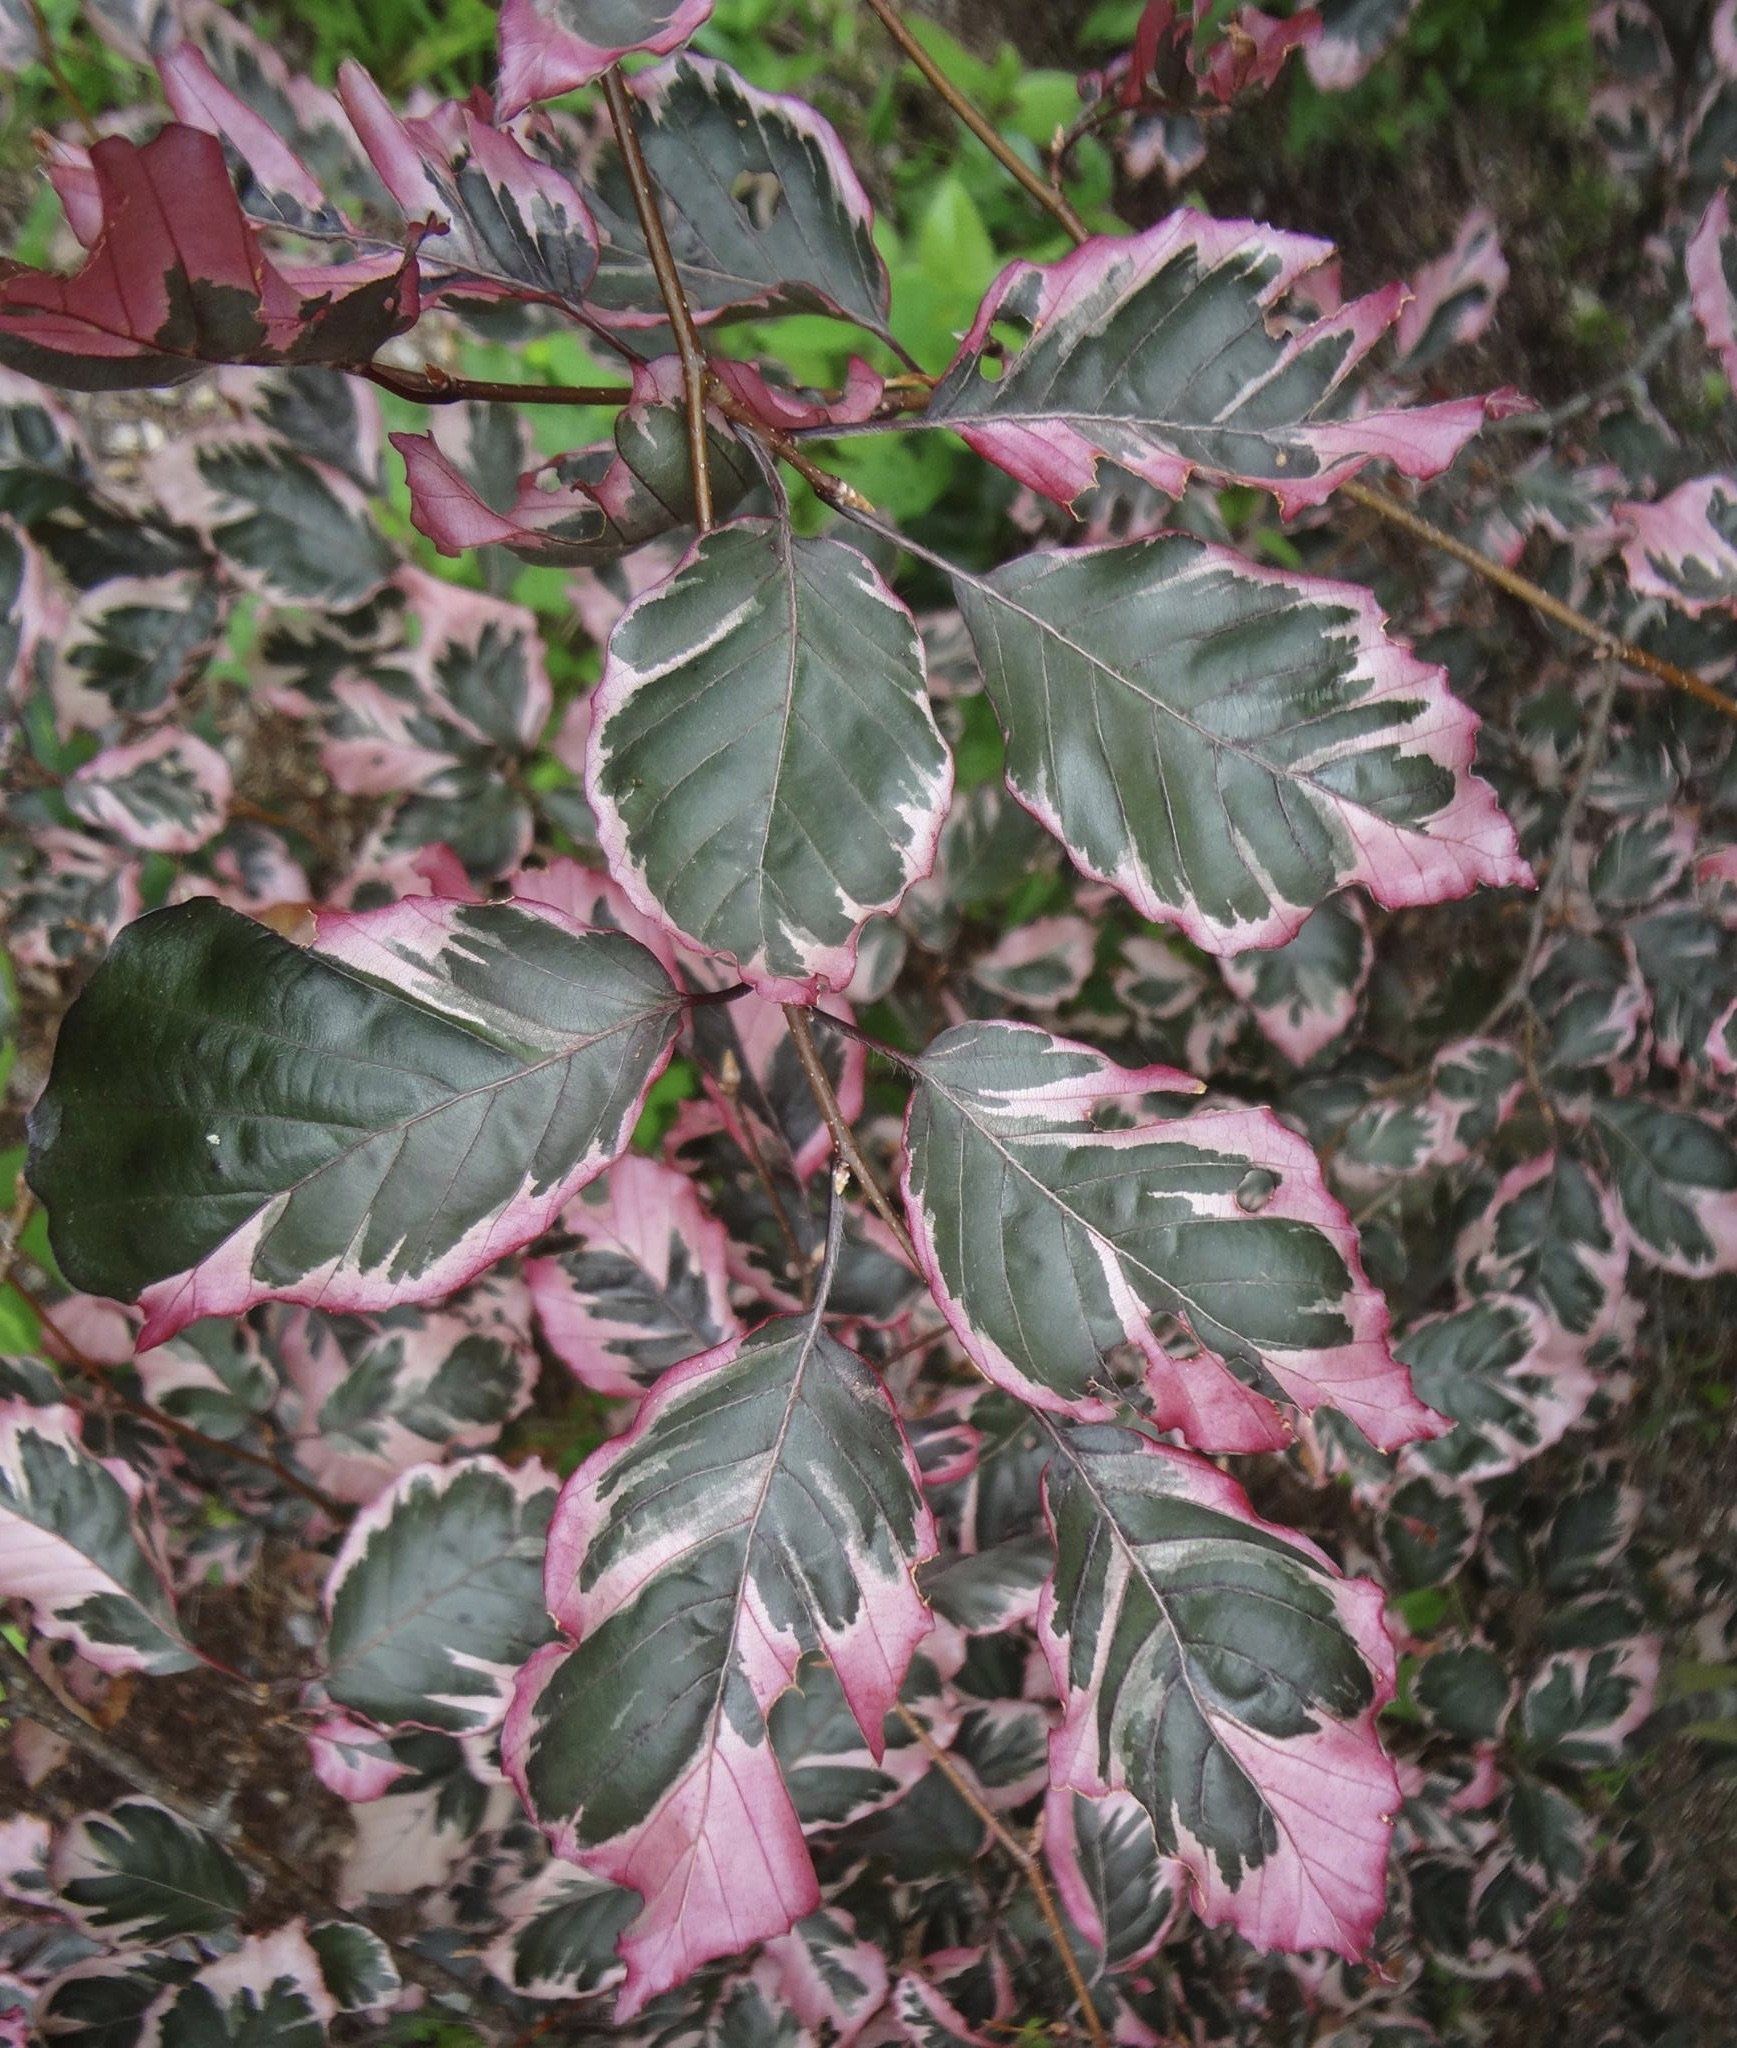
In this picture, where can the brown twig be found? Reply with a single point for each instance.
(669, 284)
(27, 1693)
(1539, 599)
(820, 1083)
(52, 64)
(1052, 202)
(829, 489)
(94, 1370)
(730, 1087)
(432, 385)
(1030, 1868)
(23, 1207)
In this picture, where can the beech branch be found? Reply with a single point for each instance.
(432, 385)
(1030, 1866)
(826, 1100)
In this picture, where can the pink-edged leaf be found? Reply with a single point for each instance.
(270, 1990)
(927, 2018)
(1675, 1174)
(1208, 1243)
(514, 226)
(275, 188)
(560, 1928)
(1154, 351)
(832, 1979)
(642, 1285)
(1114, 1885)
(1038, 966)
(74, 894)
(27, 615)
(987, 1591)
(1472, 1085)
(293, 529)
(1684, 548)
(168, 793)
(137, 1874)
(763, 764)
(1554, 1232)
(367, 1123)
(1512, 1380)
(1453, 299)
(1582, 1705)
(366, 1400)
(762, 204)
(1131, 680)
(1219, 1668)
(433, 1603)
(1305, 992)
(763, 1506)
(130, 644)
(72, 1546)
(548, 47)
(176, 279)
(590, 506)
(1354, 33)
(352, 1759)
(787, 411)
(25, 1839)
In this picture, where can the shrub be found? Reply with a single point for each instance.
(494, 1067)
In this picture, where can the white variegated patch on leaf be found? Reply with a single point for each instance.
(763, 1506)
(72, 1546)
(763, 764)
(131, 642)
(1219, 1669)
(361, 1124)
(1684, 548)
(1038, 966)
(643, 1285)
(1554, 1232)
(167, 793)
(1154, 351)
(1227, 744)
(1051, 1242)
(830, 1977)
(268, 1993)
(1354, 33)
(1506, 1374)
(433, 1602)
(1675, 1174)
(1114, 1885)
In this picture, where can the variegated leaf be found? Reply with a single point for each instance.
(764, 1505)
(1122, 1895)
(1711, 263)
(364, 1400)
(167, 793)
(131, 642)
(268, 1993)
(832, 1979)
(1504, 1372)
(1051, 1242)
(1453, 300)
(176, 279)
(291, 529)
(1354, 33)
(1223, 1672)
(548, 47)
(644, 1284)
(1229, 745)
(1684, 548)
(1582, 1705)
(1305, 992)
(763, 207)
(764, 767)
(25, 615)
(1675, 1175)
(72, 1547)
(356, 1966)
(232, 1119)
(137, 1875)
(1155, 352)
(102, 2002)
(1554, 1232)
(433, 1602)
(514, 227)
(561, 1928)
(1038, 966)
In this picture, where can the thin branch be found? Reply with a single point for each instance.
(28, 1694)
(432, 385)
(1591, 753)
(669, 284)
(1540, 600)
(94, 1370)
(1030, 1866)
(730, 1087)
(829, 489)
(1052, 202)
(820, 1082)
(23, 1207)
